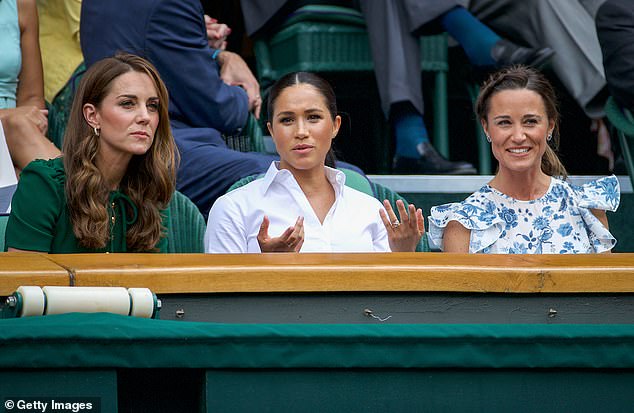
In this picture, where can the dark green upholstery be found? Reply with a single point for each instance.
(623, 121)
(321, 38)
(3, 226)
(59, 109)
(248, 139)
(186, 229)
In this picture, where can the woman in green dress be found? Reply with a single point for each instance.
(110, 190)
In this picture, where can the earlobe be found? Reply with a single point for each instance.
(268, 126)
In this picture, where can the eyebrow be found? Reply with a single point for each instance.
(136, 97)
(311, 110)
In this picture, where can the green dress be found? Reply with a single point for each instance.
(40, 219)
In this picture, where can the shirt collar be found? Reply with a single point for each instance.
(336, 178)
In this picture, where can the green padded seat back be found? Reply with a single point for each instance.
(247, 139)
(186, 229)
(3, 227)
(623, 121)
(321, 38)
(59, 109)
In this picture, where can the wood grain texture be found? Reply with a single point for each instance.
(198, 273)
(24, 268)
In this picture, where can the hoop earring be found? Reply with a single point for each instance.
(550, 136)
(96, 130)
(488, 138)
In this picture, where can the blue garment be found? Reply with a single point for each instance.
(171, 34)
(11, 60)
(474, 36)
(559, 222)
(409, 129)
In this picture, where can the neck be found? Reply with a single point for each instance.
(112, 170)
(522, 186)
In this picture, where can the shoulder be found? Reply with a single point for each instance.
(603, 193)
(51, 170)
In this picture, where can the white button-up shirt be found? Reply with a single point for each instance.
(353, 223)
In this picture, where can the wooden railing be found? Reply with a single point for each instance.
(413, 272)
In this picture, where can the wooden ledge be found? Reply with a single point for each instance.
(25, 268)
(422, 272)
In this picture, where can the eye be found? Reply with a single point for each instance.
(314, 117)
(126, 103)
(153, 106)
(286, 120)
(503, 122)
(531, 121)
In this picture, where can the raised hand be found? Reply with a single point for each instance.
(404, 235)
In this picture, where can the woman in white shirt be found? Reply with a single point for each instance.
(302, 204)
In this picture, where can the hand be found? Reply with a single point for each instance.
(38, 117)
(234, 71)
(403, 236)
(217, 33)
(290, 241)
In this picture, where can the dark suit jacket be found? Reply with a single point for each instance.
(170, 34)
(615, 27)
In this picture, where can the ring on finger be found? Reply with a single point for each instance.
(396, 223)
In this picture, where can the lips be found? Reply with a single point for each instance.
(141, 134)
(519, 151)
(302, 147)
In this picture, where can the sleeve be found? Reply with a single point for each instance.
(483, 222)
(177, 45)
(603, 194)
(36, 207)
(72, 12)
(225, 232)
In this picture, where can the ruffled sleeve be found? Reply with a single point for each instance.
(476, 213)
(603, 194)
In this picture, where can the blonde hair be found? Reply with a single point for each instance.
(523, 77)
(149, 180)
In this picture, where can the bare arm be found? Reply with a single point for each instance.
(30, 81)
(456, 238)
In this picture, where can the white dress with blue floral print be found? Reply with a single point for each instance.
(560, 222)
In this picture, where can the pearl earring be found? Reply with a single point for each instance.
(488, 138)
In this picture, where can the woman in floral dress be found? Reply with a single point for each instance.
(528, 207)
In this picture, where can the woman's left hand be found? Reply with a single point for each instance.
(403, 235)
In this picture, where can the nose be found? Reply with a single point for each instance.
(519, 135)
(143, 115)
(302, 128)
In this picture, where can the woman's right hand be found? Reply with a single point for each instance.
(290, 241)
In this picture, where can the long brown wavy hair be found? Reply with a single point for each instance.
(523, 77)
(149, 180)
